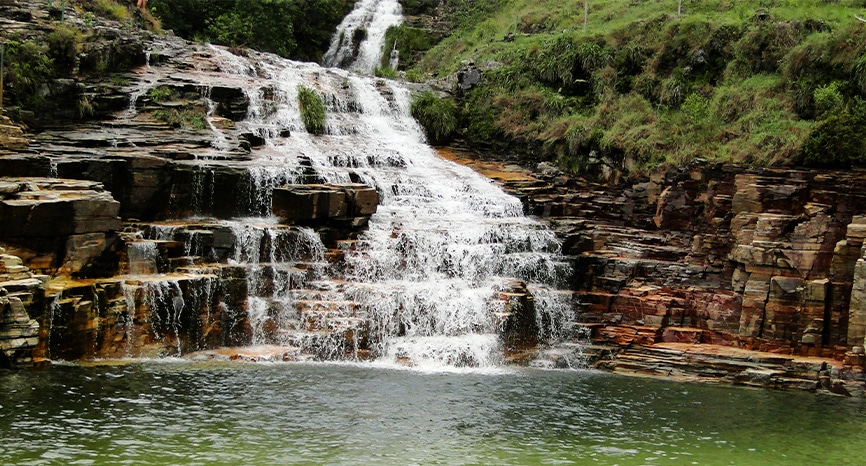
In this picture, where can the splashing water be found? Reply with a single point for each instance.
(143, 256)
(421, 286)
(359, 41)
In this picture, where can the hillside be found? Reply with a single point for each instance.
(630, 86)
(636, 84)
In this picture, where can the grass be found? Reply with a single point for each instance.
(160, 93)
(189, 117)
(312, 108)
(28, 67)
(764, 82)
(409, 41)
(436, 115)
(64, 44)
(111, 9)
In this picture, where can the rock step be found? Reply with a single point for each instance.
(318, 306)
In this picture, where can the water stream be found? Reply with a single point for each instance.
(442, 271)
(425, 282)
(359, 41)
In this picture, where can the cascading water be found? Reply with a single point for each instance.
(360, 38)
(143, 257)
(424, 283)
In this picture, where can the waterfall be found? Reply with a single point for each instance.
(359, 41)
(394, 57)
(143, 256)
(423, 285)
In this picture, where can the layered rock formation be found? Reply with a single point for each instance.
(727, 262)
(19, 289)
(61, 227)
(84, 202)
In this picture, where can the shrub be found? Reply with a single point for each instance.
(189, 117)
(386, 72)
(696, 109)
(409, 41)
(828, 99)
(312, 110)
(436, 115)
(64, 44)
(28, 67)
(837, 141)
(160, 94)
(111, 9)
(294, 29)
(84, 107)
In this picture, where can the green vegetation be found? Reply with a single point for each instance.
(27, 68)
(160, 93)
(312, 110)
(109, 9)
(190, 116)
(764, 82)
(64, 43)
(386, 72)
(409, 42)
(299, 30)
(438, 116)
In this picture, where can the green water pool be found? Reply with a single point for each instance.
(262, 414)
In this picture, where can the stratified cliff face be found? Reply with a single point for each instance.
(762, 259)
(690, 270)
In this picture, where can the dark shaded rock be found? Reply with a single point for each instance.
(300, 203)
(254, 140)
(43, 207)
(468, 77)
(232, 103)
(19, 334)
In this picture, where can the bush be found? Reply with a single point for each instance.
(160, 94)
(436, 115)
(409, 41)
(111, 9)
(837, 140)
(64, 44)
(293, 29)
(190, 117)
(386, 72)
(28, 67)
(312, 110)
(828, 99)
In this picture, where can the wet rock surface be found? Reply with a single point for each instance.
(19, 289)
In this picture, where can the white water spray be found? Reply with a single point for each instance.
(420, 286)
(359, 41)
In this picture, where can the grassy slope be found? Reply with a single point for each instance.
(766, 82)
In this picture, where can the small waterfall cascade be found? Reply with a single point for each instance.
(436, 278)
(359, 41)
(143, 256)
(394, 57)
